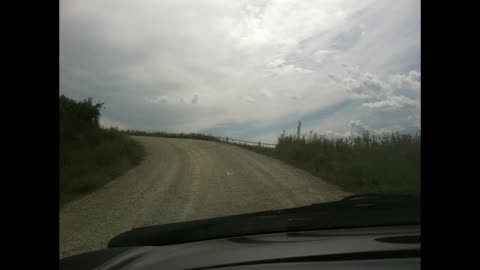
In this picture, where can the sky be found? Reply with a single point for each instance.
(245, 69)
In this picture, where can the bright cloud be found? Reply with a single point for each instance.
(392, 103)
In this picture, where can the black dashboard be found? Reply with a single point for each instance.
(385, 247)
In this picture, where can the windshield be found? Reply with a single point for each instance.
(176, 111)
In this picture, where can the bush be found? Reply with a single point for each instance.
(90, 156)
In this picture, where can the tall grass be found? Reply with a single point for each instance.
(385, 163)
(90, 156)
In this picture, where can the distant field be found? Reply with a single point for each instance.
(198, 136)
(90, 156)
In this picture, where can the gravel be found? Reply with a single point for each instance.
(182, 180)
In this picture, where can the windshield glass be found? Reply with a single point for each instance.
(175, 111)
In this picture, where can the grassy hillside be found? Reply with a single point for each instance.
(90, 156)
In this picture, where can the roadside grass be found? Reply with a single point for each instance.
(90, 156)
(385, 163)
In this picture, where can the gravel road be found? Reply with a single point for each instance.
(182, 180)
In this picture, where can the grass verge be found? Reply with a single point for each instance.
(90, 156)
(386, 163)
(87, 167)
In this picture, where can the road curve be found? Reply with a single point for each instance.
(182, 180)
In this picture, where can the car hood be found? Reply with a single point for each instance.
(373, 225)
(271, 250)
(352, 212)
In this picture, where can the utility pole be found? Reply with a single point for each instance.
(298, 129)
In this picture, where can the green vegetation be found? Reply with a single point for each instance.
(386, 163)
(90, 156)
(197, 136)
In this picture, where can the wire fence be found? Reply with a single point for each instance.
(199, 137)
(237, 141)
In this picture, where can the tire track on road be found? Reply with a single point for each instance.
(182, 180)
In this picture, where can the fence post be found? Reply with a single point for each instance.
(227, 139)
(259, 144)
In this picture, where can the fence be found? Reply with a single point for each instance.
(237, 141)
(199, 137)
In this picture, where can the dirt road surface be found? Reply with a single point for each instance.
(182, 180)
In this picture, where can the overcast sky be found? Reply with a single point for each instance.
(245, 69)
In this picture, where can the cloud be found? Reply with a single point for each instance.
(369, 86)
(365, 85)
(322, 56)
(392, 103)
(292, 58)
(293, 96)
(281, 67)
(266, 93)
(389, 99)
(159, 99)
(346, 39)
(335, 78)
(276, 63)
(409, 81)
(286, 69)
(249, 99)
(195, 98)
(357, 127)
